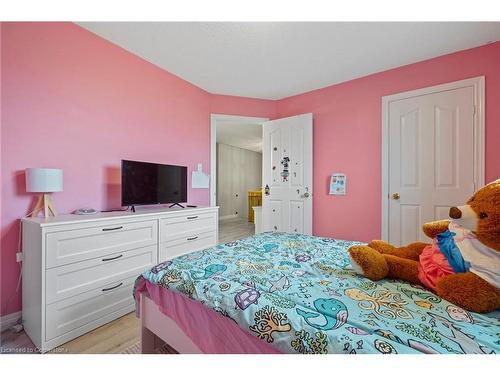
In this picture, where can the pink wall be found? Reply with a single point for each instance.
(75, 101)
(347, 134)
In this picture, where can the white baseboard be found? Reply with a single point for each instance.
(9, 321)
(228, 217)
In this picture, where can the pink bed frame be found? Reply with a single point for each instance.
(190, 327)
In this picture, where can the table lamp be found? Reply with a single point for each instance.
(44, 180)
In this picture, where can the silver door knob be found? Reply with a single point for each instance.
(395, 196)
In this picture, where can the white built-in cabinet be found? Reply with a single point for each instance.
(79, 271)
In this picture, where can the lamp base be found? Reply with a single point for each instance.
(46, 205)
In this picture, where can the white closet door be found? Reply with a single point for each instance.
(431, 160)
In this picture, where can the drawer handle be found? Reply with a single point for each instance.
(192, 217)
(113, 287)
(116, 257)
(108, 229)
(192, 238)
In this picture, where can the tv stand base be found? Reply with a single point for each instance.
(176, 204)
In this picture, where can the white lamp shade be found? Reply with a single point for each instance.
(44, 180)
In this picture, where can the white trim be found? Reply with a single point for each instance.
(9, 321)
(478, 84)
(214, 119)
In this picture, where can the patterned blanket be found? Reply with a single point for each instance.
(298, 293)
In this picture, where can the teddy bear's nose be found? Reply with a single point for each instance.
(455, 213)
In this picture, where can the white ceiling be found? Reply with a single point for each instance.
(279, 59)
(247, 136)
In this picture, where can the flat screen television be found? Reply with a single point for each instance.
(149, 183)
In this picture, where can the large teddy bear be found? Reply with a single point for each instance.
(462, 265)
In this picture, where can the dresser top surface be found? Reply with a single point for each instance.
(140, 212)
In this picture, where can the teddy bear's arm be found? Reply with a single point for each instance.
(433, 228)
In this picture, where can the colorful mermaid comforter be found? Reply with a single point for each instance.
(299, 294)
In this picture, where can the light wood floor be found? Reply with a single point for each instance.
(122, 333)
(114, 337)
(235, 229)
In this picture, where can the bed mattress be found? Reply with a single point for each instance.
(297, 294)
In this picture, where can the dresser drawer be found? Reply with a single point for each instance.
(184, 245)
(69, 246)
(72, 313)
(184, 225)
(72, 279)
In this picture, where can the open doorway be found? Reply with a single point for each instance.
(236, 173)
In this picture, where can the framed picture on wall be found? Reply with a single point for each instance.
(338, 184)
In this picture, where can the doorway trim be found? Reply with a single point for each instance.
(214, 119)
(477, 83)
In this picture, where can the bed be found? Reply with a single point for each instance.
(293, 293)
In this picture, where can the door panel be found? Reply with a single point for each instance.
(276, 156)
(446, 137)
(411, 223)
(410, 130)
(276, 216)
(297, 216)
(431, 156)
(441, 212)
(287, 171)
(296, 152)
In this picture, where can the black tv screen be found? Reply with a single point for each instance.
(149, 183)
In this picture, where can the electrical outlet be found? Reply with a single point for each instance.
(19, 257)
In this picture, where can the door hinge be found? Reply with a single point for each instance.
(474, 110)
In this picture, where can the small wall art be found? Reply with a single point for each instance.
(338, 184)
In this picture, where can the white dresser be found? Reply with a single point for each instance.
(79, 271)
